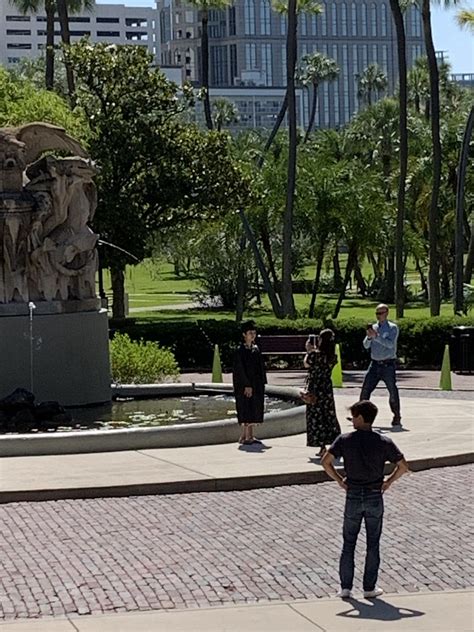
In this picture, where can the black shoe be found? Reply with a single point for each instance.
(396, 421)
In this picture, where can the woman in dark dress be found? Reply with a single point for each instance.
(322, 426)
(249, 379)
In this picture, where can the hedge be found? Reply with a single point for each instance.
(421, 342)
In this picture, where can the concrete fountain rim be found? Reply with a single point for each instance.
(277, 424)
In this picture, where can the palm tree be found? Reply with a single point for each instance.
(63, 8)
(204, 6)
(465, 19)
(433, 220)
(302, 6)
(33, 6)
(372, 79)
(225, 113)
(418, 86)
(403, 154)
(316, 69)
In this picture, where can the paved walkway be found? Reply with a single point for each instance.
(433, 434)
(99, 556)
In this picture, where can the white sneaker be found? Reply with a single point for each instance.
(370, 594)
(344, 593)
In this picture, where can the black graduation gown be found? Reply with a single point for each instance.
(249, 370)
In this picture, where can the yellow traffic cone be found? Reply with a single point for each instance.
(216, 366)
(445, 377)
(336, 374)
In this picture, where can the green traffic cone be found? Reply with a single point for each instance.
(445, 377)
(336, 374)
(216, 366)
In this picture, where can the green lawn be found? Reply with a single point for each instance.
(151, 286)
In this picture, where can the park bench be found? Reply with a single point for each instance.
(282, 345)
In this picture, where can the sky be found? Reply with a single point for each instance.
(458, 43)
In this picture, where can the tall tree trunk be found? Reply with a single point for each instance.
(337, 274)
(287, 267)
(403, 156)
(278, 121)
(313, 112)
(267, 248)
(66, 39)
(424, 285)
(205, 67)
(433, 222)
(459, 240)
(369, 97)
(445, 280)
(388, 293)
(117, 278)
(362, 285)
(49, 77)
(241, 281)
(317, 277)
(469, 265)
(351, 259)
(269, 289)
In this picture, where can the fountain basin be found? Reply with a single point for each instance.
(276, 424)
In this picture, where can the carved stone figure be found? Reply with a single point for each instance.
(47, 250)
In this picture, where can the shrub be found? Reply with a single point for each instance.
(421, 342)
(140, 362)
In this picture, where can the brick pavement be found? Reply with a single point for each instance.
(196, 550)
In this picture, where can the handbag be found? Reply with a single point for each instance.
(308, 398)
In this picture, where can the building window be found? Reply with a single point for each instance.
(249, 17)
(131, 36)
(314, 24)
(218, 66)
(233, 62)
(353, 19)
(385, 58)
(142, 22)
(283, 65)
(373, 19)
(355, 66)
(283, 24)
(107, 20)
(80, 33)
(337, 118)
(108, 33)
(334, 18)
(324, 20)
(265, 17)
(374, 59)
(383, 10)
(363, 9)
(344, 19)
(267, 70)
(17, 18)
(365, 56)
(19, 46)
(345, 79)
(14, 60)
(231, 21)
(250, 56)
(79, 20)
(18, 32)
(326, 103)
(303, 23)
(415, 21)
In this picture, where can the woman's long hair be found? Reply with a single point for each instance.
(327, 344)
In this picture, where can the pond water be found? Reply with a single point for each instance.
(168, 411)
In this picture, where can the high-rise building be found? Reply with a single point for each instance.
(247, 47)
(24, 36)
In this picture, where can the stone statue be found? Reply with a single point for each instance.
(47, 250)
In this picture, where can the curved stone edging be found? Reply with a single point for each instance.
(277, 424)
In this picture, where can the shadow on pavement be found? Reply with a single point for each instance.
(255, 447)
(378, 610)
(395, 430)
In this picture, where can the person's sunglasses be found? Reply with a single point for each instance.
(380, 313)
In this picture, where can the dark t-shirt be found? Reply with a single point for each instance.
(365, 453)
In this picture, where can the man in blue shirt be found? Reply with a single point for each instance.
(365, 453)
(381, 339)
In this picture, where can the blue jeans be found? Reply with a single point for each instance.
(385, 371)
(366, 504)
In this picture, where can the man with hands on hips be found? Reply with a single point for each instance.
(381, 340)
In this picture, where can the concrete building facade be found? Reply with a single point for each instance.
(24, 36)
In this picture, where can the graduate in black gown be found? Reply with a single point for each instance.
(249, 379)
